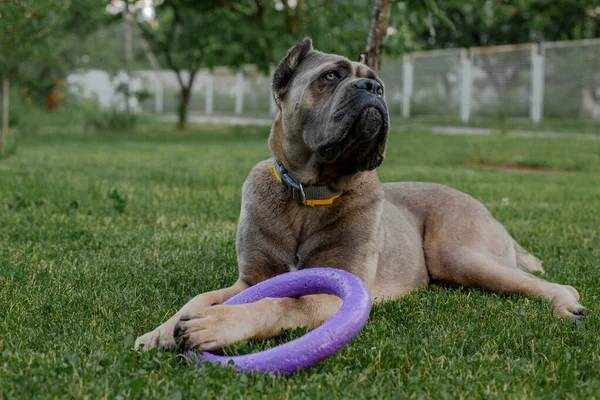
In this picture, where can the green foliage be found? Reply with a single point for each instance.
(81, 114)
(189, 35)
(32, 31)
(20, 106)
(339, 27)
(119, 201)
(80, 280)
(25, 25)
(40, 43)
(487, 23)
(109, 120)
(236, 32)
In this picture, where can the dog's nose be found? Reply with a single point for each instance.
(369, 85)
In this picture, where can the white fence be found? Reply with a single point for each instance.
(551, 79)
(221, 91)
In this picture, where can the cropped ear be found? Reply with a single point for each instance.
(285, 69)
(363, 59)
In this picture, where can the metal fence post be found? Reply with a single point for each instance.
(466, 83)
(272, 105)
(537, 82)
(407, 84)
(239, 93)
(210, 89)
(158, 93)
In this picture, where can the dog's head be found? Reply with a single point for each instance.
(332, 114)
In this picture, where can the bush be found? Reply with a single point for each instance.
(79, 114)
(19, 108)
(108, 120)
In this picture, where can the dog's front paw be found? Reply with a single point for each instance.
(148, 341)
(154, 339)
(565, 302)
(214, 328)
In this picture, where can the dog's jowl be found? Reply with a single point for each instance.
(319, 202)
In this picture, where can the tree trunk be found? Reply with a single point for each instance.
(379, 24)
(186, 94)
(292, 23)
(128, 54)
(153, 61)
(148, 52)
(184, 104)
(4, 132)
(51, 98)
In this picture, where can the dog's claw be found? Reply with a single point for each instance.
(181, 341)
(179, 328)
(184, 317)
(582, 312)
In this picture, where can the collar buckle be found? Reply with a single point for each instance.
(292, 186)
(317, 195)
(298, 194)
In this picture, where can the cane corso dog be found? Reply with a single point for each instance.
(319, 202)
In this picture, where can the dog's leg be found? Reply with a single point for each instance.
(526, 261)
(162, 336)
(213, 328)
(468, 268)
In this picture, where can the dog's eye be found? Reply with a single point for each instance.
(331, 75)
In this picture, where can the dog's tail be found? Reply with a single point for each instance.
(526, 261)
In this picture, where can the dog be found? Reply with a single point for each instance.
(319, 202)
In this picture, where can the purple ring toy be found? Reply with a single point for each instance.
(317, 344)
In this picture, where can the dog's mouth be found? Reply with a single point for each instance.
(367, 124)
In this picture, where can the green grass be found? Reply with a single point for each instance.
(102, 237)
(504, 125)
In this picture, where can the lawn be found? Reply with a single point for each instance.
(103, 236)
(507, 125)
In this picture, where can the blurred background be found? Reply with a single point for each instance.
(107, 65)
(126, 137)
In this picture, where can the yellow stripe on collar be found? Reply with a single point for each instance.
(310, 189)
(274, 171)
(322, 202)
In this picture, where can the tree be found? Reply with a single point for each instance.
(42, 74)
(38, 41)
(400, 15)
(188, 35)
(491, 22)
(24, 27)
(377, 34)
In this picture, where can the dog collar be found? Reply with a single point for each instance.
(307, 195)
